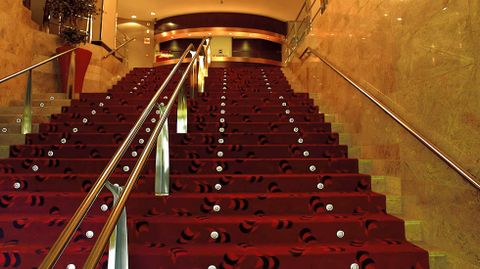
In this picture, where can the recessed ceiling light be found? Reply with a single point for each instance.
(399, 19)
(209, 33)
(230, 33)
(189, 34)
(153, 13)
(134, 17)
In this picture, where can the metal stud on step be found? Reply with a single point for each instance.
(218, 187)
(17, 185)
(108, 97)
(312, 168)
(19, 120)
(340, 234)
(354, 266)
(94, 112)
(63, 140)
(221, 129)
(4, 130)
(320, 186)
(42, 105)
(291, 120)
(306, 153)
(222, 104)
(141, 141)
(280, 97)
(89, 234)
(221, 141)
(284, 104)
(50, 153)
(296, 129)
(212, 267)
(222, 111)
(52, 98)
(300, 140)
(329, 207)
(84, 120)
(222, 120)
(153, 120)
(71, 266)
(75, 130)
(126, 168)
(214, 235)
(223, 97)
(134, 154)
(219, 169)
(147, 130)
(35, 168)
(287, 111)
(165, 97)
(100, 105)
(220, 154)
(216, 208)
(104, 207)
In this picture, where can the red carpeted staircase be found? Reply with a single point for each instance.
(259, 181)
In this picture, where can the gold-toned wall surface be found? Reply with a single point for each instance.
(22, 44)
(421, 58)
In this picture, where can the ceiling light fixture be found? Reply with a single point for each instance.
(134, 17)
(153, 13)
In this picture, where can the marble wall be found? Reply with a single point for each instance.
(421, 58)
(22, 44)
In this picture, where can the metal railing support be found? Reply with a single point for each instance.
(162, 159)
(118, 244)
(71, 76)
(182, 112)
(27, 107)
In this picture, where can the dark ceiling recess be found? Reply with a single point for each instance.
(198, 20)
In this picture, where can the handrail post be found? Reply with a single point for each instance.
(118, 244)
(27, 108)
(71, 76)
(201, 74)
(162, 159)
(193, 75)
(182, 120)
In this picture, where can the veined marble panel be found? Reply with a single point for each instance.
(421, 58)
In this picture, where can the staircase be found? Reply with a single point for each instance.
(259, 181)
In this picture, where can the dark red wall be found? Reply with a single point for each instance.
(220, 20)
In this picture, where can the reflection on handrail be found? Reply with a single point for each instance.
(111, 222)
(75, 221)
(119, 47)
(27, 107)
(457, 167)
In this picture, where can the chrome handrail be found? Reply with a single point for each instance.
(16, 74)
(119, 47)
(27, 108)
(442, 155)
(100, 244)
(66, 235)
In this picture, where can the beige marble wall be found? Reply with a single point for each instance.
(21, 45)
(421, 58)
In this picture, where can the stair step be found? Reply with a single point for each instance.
(15, 128)
(35, 110)
(12, 139)
(44, 102)
(8, 119)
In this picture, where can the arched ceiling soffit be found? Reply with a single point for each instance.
(283, 10)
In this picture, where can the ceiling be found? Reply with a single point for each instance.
(284, 10)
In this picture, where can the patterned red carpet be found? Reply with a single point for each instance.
(259, 181)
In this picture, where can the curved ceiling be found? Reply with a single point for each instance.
(284, 10)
